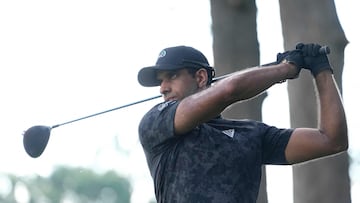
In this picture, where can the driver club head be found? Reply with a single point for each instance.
(35, 140)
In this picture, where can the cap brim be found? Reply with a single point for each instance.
(148, 76)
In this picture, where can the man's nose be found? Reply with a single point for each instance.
(164, 87)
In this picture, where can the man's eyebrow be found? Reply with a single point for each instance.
(167, 73)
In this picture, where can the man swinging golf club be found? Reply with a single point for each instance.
(195, 155)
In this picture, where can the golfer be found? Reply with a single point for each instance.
(195, 155)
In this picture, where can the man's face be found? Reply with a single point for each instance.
(178, 84)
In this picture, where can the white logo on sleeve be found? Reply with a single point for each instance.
(229, 132)
(163, 105)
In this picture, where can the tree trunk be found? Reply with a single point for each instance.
(327, 179)
(235, 46)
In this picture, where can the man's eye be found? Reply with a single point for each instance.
(173, 76)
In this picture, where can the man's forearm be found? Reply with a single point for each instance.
(332, 114)
(251, 82)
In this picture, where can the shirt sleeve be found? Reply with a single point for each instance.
(274, 143)
(157, 125)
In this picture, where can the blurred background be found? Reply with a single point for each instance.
(60, 60)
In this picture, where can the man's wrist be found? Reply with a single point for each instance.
(293, 69)
(316, 71)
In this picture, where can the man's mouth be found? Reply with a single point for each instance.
(169, 98)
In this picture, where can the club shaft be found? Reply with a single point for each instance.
(96, 114)
(138, 102)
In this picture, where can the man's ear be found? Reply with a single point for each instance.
(201, 77)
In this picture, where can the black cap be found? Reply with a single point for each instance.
(173, 58)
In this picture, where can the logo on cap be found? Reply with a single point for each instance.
(162, 54)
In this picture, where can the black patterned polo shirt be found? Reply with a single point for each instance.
(218, 161)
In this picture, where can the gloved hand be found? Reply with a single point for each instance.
(294, 56)
(314, 61)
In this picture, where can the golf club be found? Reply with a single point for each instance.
(35, 139)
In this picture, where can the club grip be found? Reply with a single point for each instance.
(322, 50)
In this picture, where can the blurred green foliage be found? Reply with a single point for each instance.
(66, 185)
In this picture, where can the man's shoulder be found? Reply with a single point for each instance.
(156, 125)
(161, 107)
(161, 113)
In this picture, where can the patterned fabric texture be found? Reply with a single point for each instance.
(218, 161)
